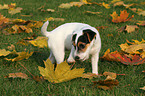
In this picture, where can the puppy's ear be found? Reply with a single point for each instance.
(90, 34)
(74, 37)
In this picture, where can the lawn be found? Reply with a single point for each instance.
(129, 84)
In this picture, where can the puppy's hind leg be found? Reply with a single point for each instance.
(51, 57)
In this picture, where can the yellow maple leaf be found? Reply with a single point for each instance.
(3, 52)
(107, 6)
(40, 42)
(134, 48)
(71, 4)
(54, 19)
(61, 73)
(21, 56)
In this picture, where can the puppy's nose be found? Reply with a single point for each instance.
(77, 58)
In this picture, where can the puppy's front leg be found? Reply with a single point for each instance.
(71, 56)
(95, 59)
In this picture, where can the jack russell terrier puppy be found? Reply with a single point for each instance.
(82, 39)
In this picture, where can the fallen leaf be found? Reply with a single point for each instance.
(22, 42)
(89, 75)
(141, 23)
(132, 49)
(53, 19)
(143, 88)
(90, 12)
(141, 13)
(106, 84)
(5, 6)
(3, 52)
(41, 42)
(135, 60)
(21, 56)
(121, 3)
(113, 1)
(71, 4)
(107, 6)
(110, 75)
(17, 75)
(14, 11)
(11, 47)
(61, 73)
(122, 18)
(3, 20)
(50, 10)
(38, 24)
(131, 28)
(38, 78)
(108, 55)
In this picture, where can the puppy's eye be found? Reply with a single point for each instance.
(82, 46)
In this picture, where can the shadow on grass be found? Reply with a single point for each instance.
(40, 57)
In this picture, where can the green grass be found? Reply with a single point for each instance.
(128, 85)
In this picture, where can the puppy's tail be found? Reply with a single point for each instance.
(44, 29)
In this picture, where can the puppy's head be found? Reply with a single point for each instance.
(82, 42)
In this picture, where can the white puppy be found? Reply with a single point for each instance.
(82, 39)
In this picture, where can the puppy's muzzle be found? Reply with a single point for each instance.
(77, 58)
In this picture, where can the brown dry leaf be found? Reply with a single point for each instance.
(106, 84)
(89, 75)
(17, 75)
(38, 78)
(121, 3)
(110, 75)
(40, 42)
(90, 12)
(61, 73)
(19, 29)
(141, 23)
(122, 18)
(143, 88)
(50, 10)
(14, 11)
(3, 20)
(131, 28)
(11, 47)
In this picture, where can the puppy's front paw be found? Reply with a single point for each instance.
(71, 60)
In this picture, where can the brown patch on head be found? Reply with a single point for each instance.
(89, 34)
(82, 47)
